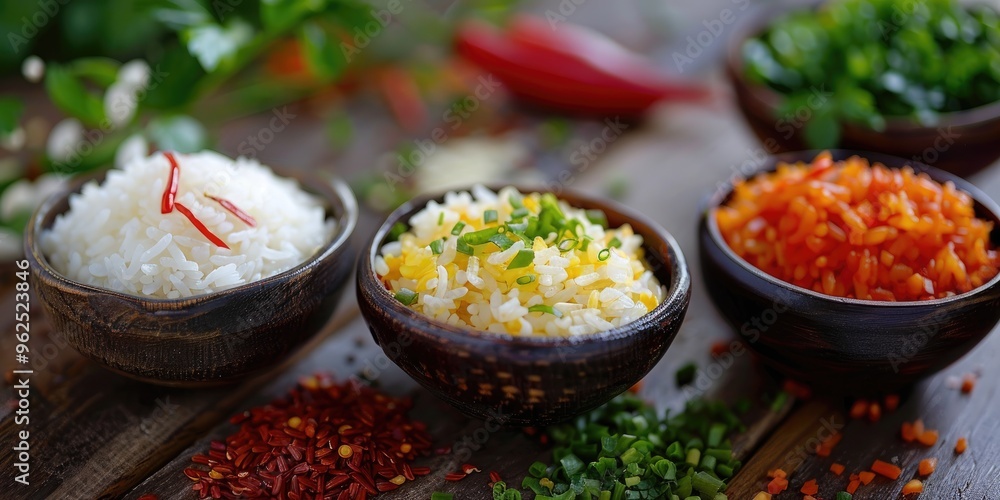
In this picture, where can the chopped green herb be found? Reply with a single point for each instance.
(502, 240)
(843, 495)
(519, 213)
(542, 308)
(437, 246)
(438, 495)
(406, 296)
(522, 259)
(490, 216)
(480, 237)
(515, 201)
(567, 245)
(526, 279)
(685, 374)
(625, 450)
(463, 247)
(441, 218)
(585, 243)
(603, 255)
(396, 231)
(457, 230)
(615, 243)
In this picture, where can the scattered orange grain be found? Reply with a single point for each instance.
(797, 389)
(777, 473)
(762, 495)
(810, 487)
(836, 468)
(859, 408)
(853, 486)
(852, 229)
(866, 476)
(968, 383)
(928, 438)
(719, 348)
(906, 431)
(874, 412)
(777, 485)
(808, 497)
(886, 469)
(912, 487)
(891, 402)
(927, 466)
(961, 445)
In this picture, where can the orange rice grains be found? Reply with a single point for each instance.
(851, 229)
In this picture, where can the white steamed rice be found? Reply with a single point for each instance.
(115, 237)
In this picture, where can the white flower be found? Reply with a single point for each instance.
(130, 149)
(134, 73)
(64, 139)
(120, 103)
(33, 69)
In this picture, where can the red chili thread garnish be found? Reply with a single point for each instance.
(494, 476)
(200, 226)
(455, 476)
(469, 468)
(271, 455)
(233, 209)
(170, 193)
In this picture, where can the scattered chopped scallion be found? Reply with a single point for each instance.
(457, 230)
(522, 259)
(437, 246)
(542, 308)
(526, 279)
(441, 219)
(615, 243)
(396, 231)
(489, 216)
(603, 255)
(406, 296)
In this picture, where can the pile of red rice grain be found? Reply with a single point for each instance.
(322, 440)
(851, 229)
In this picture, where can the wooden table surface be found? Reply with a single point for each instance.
(95, 434)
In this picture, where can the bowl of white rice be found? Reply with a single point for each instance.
(518, 306)
(192, 269)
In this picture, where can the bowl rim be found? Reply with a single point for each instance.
(722, 194)
(679, 286)
(764, 16)
(307, 181)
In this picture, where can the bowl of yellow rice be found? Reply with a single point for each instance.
(521, 307)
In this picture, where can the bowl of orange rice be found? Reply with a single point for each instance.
(851, 270)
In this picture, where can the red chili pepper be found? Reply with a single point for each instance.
(170, 193)
(201, 226)
(454, 476)
(233, 209)
(469, 468)
(573, 69)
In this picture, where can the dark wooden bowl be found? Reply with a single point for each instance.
(843, 344)
(963, 142)
(520, 381)
(208, 339)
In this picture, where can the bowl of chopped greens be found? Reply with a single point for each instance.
(920, 80)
